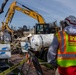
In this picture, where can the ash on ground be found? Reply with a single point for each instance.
(29, 69)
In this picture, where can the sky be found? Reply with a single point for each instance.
(51, 10)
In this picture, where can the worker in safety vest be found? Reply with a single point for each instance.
(62, 51)
(27, 47)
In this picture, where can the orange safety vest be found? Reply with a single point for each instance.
(67, 49)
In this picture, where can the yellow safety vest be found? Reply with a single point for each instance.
(67, 49)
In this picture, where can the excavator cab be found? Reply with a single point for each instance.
(44, 29)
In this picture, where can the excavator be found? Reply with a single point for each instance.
(2, 6)
(40, 28)
(10, 13)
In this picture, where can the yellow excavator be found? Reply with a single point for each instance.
(25, 10)
(41, 27)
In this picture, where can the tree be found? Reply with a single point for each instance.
(24, 27)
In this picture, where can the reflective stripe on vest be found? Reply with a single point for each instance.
(67, 50)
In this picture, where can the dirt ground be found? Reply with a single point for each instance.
(29, 70)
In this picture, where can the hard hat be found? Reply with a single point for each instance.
(71, 20)
(29, 35)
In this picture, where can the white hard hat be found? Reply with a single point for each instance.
(71, 20)
(29, 35)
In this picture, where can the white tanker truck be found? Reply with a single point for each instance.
(40, 44)
(41, 40)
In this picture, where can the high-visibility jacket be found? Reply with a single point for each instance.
(67, 49)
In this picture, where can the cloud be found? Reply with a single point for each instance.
(69, 4)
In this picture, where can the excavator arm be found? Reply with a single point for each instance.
(31, 13)
(24, 10)
(9, 16)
